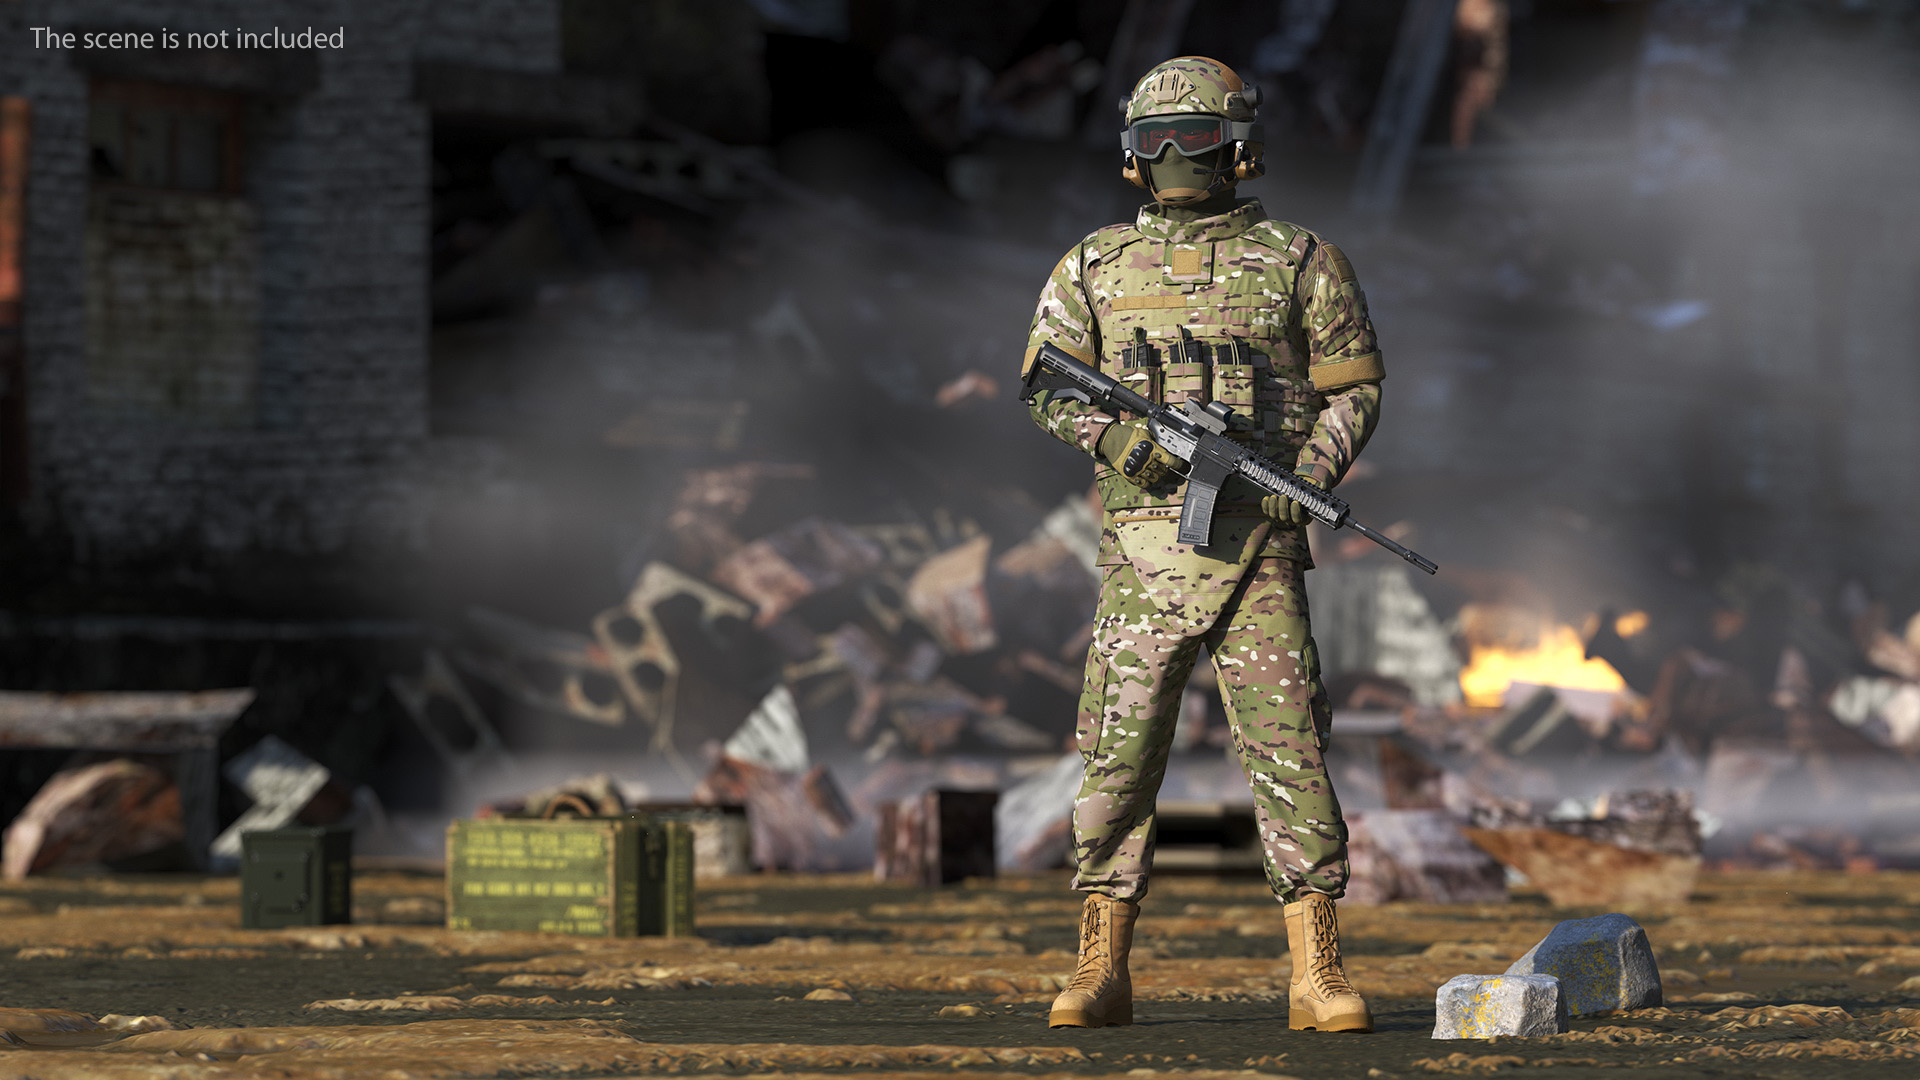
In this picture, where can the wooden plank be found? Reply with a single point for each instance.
(116, 720)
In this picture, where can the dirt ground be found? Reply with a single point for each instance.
(1767, 975)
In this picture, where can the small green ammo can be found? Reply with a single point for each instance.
(301, 875)
(600, 877)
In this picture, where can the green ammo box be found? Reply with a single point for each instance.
(601, 876)
(297, 876)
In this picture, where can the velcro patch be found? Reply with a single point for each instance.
(1337, 264)
(1188, 263)
(1169, 86)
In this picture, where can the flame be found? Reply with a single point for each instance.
(1557, 659)
(1630, 624)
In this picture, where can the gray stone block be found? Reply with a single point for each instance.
(1603, 964)
(1482, 1006)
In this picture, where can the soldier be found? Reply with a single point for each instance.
(1203, 297)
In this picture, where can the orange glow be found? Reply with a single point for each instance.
(1630, 624)
(1557, 659)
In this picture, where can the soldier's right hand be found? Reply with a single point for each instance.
(1128, 446)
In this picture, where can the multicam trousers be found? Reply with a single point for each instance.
(1144, 648)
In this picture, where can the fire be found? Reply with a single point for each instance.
(1556, 659)
(1630, 624)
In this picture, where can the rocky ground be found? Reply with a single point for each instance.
(1767, 975)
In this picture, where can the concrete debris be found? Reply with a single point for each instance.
(1419, 855)
(785, 567)
(1700, 699)
(772, 736)
(1010, 733)
(1897, 655)
(1742, 775)
(1884, 710)
(1486, 1006)
(1542, 725)
(443, 710)
(971, 386)
(1376, 764)
(1662, 822)
(790, 830)
(556, 671)
(1045, 561)
(280, 780)
(903, 545)
(1076, 523)
(639, 647)
(1370, 618)
(1596, 710)
(828, 801)
(948, 595)
(710, 503)
(1033, 821)
(930, 717)
(1604, 964)
(96, 813)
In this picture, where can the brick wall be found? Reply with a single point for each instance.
(305, 432)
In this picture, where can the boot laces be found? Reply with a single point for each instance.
(1095, 960)
(1327, 974)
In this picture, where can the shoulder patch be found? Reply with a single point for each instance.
(1337, 264)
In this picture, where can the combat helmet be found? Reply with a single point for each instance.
(1190, 132)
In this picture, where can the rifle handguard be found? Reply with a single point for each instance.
(1197, 436)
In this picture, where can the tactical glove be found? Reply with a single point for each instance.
(1128, 446)
(1287, 512)
(1284, 510)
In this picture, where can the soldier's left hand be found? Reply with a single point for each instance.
(1283, 510)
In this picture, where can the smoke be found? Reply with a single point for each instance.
(1665, 331)
(1626, 358)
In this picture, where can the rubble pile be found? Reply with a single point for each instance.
(910, 653)
(1772, 736)
(727, 474)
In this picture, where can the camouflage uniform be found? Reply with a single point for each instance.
(1278, 314)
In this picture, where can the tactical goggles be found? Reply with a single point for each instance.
(1189, 134)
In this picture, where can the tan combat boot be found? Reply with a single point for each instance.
(1101, 992)
(1319, 997)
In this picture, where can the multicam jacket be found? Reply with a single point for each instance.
(1256, 313)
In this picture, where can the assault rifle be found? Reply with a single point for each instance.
(1198, 437)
